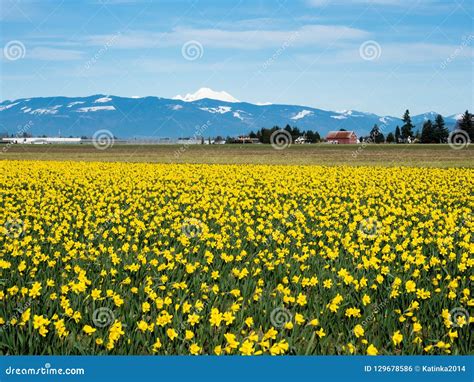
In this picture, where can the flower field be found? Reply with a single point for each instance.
(120, 258)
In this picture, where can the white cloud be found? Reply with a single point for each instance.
(221, 38)
(421, 52)
(53, 54)
(323, 3)
(391, 54)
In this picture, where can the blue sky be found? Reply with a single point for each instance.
(381, 56)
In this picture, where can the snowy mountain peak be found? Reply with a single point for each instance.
(207, 93)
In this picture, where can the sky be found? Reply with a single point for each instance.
(380, 56)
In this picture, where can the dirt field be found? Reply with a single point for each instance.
(322, 154)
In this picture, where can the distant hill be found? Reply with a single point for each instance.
(193, 114)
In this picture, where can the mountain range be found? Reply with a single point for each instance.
(205, 113)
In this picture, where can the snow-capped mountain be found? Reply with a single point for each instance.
(205, 112)
(207, 93)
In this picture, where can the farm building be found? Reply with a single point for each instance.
(245, 139)
(341, 137)
(39, 140)
(301, 140)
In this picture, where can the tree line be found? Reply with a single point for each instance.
(431, 131)
(264, 134)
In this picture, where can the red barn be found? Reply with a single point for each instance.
(343, 137)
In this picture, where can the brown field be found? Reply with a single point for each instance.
(320, 154)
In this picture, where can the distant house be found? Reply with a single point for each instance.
(190, 141)
(40, 141)
(245, 139)
(341, 137)
(301, 140)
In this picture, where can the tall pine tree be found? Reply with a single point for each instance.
(397, 135)
(466, 124)
(428, 132)
(441, 133)
(376, 135)
(373, 133)
(312, 136)
(407, 128)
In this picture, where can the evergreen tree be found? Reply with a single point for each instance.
(390, 138)
(373, 133)
(466, 123)
(397, 134)
(428, 133)
(295, 133)
(407, 128)
(266, 134)
(376, 135)
(417, 134)
(313, 136)
(441, 133)
(317, 137)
